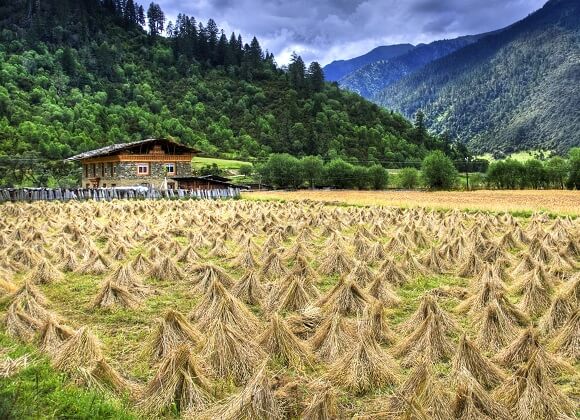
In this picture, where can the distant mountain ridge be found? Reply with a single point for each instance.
(513, 90)
(340, 68)
(372, 78)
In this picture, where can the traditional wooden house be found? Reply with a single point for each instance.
(146, 163)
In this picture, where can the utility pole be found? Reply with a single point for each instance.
(467, 171)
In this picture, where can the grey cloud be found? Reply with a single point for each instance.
(325, 30)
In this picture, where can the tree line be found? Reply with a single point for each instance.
(556, 172)
(286, 171)
(437, 172)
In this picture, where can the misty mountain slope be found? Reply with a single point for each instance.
(514, 90)
(340, 68)
(374, 77)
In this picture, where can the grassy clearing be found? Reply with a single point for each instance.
(519, 202)
(225, 164)
(520, 156)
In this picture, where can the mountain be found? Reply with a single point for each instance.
(518, 89)
(376, 76)
(338, 69)
(76, 76)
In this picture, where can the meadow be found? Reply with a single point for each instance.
(298, 309)
(523, 202)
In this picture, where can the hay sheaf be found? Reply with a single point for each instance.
(181, 380)
(256, 401)
(530, 394)
(279, 341)
(365, 366)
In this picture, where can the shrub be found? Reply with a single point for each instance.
(574, 176)
(312, 169)
(210, 169)
(246, 170)
(534, 174)
(557, 172)
(360, 177)
(339, 173)
(282, 170)
(438, 171)
(507, 174)
(408, 178)
(378, 177)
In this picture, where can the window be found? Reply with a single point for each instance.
(94, 169)
(111, 169)
(86, 168)
(113, 185)
(142, 169)
(102, 170)
(104, 185)
(170, 168)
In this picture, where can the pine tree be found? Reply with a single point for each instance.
(130, 14)
(297, 71)
(68, 62)
(141, 16)
(420, 134)
(202, 52)
(222, 50)
(212, 31)
(315, 77)
(156, 19)
(255, 55)
(231, 58)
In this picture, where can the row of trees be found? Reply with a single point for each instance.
(438, 172)
(556, 172)
(286, 171)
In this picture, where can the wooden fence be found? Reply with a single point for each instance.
(108, 194)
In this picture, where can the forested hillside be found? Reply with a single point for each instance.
(372, 78)
(341, 68)
(515, 90)
(79, 75)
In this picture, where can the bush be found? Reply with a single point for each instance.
(312, 169)
(282, 170)
(438, 171)
(506, 174)
(360, 177)
(339, 173)
(534, 174)
(557, 172)
(574, 162)
(408, 178)
(210, 169)
(246, 170)
(378, 177)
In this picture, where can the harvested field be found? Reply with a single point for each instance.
(517, 201)
(256, 309)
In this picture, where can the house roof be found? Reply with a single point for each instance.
(207, 178)
(215, 178)
(109, 150)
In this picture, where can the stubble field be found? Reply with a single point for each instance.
(251, 309)
(516, 201)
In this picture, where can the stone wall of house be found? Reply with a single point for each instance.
(126, 174)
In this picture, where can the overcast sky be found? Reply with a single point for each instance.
(326, 30)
